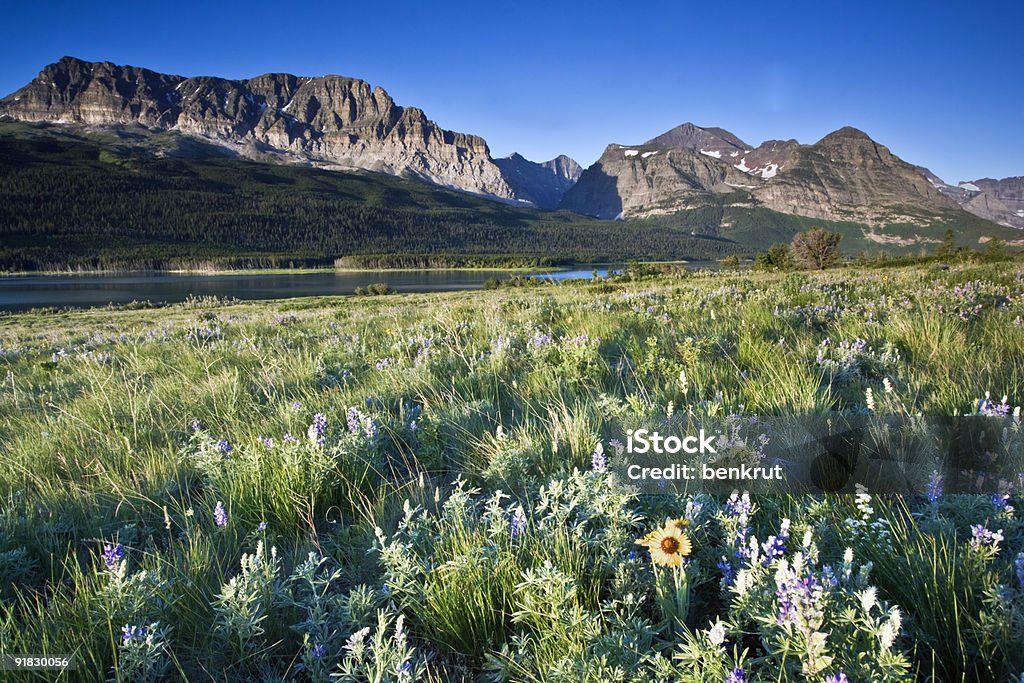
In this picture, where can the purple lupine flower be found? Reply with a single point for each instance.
(517, 524)
(352, 416)
(220, 515)
(130, 633)
(112, 554)
(772, 549)
(828, 577)
(837, 678)
(319, 651)
(737, 675)
(288, 438)
(598, 460)
(617, 446)
(800, 602)
(197, 426)
(262, 526)
(539, 340)
(933, 491)
(318, 430)
(370, 427)
(738, 505)
(404, 669)
(728, 573)
(1001, 500)
(384, 362)
(223, 447)
(982, 537)
(1019, 565)
(296, 406)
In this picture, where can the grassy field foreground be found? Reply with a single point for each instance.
(417, 487)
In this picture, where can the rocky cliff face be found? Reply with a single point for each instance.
(844, 176)
(542, 184)
(330, 120)
(1000, 201)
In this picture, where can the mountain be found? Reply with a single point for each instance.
(542, 184)
(1000, 201)
(329, 121)
(692, 136)
(845, 176)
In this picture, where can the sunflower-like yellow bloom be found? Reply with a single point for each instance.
(668, 545)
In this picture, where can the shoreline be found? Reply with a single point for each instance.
(328, 269)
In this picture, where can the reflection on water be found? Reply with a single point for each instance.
(36, 291)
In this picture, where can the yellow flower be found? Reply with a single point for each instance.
(668, 545)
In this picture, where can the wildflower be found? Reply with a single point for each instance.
(223, 447)
(404, 669)
(220, 515)
(262, 526)
(319, 651)
(863, 502)
(738, 505)
(837, 678)
(317, 430)
(716, 634)
(983, 538)
(540, 340)
(296, 406)
(518, 522)
(266, 441)
(1019, 565)
(728, 573)
(288, 438)
(668, 546)
(356, 638)
(1001, 501)
(736, 676)
(868, 598)
(197, 426)
(384, 362)
(352, 416)
(112, 555)
(869, 399)
(598, 460)
(933, 491)
(891, 629)
(774, 547)
(799, 600)
(130, 633)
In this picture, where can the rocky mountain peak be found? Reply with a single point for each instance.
(541, 184)
(333, 121)
(692, 136)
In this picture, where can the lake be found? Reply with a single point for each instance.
(22, 292)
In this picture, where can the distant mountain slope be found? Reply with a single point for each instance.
(542, 184)
(1000, 201)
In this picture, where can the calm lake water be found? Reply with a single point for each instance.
(21, 293)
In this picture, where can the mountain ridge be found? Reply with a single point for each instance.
(344, 123)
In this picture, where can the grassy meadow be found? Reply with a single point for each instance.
(419, 487)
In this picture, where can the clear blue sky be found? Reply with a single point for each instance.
(940, 83)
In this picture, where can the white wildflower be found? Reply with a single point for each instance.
(716, 634)
(868, 598)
